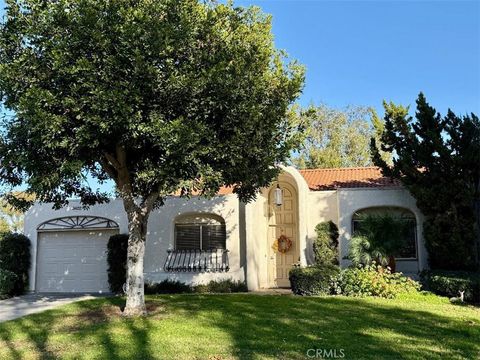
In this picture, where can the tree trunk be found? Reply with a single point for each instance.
(392, 263)
(137, 228)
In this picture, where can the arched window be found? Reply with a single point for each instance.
(200, 232)
(410, 249)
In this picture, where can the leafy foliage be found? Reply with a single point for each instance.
(325, 246)
(374, 280)
(168, 286)
(438, 160)
(117, 262)
(11, 219)
(221, 286)
(379, 239)
(7, 283)
(15, 257)
(313, 280)
(450, 283)
(176, 87)
(213, 287)
(337, 137)
(161, 97)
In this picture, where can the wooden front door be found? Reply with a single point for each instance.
(283, 221)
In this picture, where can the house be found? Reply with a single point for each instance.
(200, 239)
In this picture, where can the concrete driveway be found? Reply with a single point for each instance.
(33, 303)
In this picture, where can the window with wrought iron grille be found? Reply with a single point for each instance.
(200, 244)
(204, 232)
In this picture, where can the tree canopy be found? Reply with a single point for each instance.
(337, 137)
(437, 158)
(162, 97)
(171, 89)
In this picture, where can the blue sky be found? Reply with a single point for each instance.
(361, 52)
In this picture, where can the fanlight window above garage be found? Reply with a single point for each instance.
(410, 249)
(77, 223)
(200, 232)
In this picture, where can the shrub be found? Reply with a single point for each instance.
(167, 287)
(15, 257)
(314, 280)
(8, 279)
(374, 280)
(378, 239)
(222, 286)
(450, 283)
(117, 262)
(325, 246)
(177, 287)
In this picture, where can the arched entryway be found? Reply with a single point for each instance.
(283, 220)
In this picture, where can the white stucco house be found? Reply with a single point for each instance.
(198, 240)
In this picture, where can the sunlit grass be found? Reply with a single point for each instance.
(247, 326)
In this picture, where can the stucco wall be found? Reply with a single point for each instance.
(352, 200)
(160, 235)
(246, 227)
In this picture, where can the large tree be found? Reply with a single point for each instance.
(162, 96)
(438, 160)
(337, 137)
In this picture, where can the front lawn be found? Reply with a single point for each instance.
(247, 326)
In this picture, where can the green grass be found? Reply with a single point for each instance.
(247, 326)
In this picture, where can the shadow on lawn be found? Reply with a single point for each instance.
(282, 328)
(273, 326)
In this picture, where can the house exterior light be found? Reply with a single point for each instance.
(278, 196)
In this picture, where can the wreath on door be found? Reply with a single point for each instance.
(282, 244)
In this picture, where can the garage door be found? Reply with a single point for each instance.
(73, 261)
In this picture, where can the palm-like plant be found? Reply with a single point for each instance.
(379, 239)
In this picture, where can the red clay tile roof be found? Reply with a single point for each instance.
(357, 177)
(339, 178)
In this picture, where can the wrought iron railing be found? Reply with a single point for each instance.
(214, 260)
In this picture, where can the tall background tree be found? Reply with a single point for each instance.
(438, 160)
(160, 96)
(338, 137)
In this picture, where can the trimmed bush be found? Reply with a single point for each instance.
(374, 280)
(325, 246)
(221, 287)
(15, 257)
(117, 262)
(8, 279)
(314, 280)
(450, 283)
(167, 287)
(177, 287)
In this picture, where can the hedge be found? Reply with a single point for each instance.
(450, 283)
(213, 287)
(117, 262)
(7, 283)
(314, 280)
(15, 257)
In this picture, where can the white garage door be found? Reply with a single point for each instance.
(73, 261)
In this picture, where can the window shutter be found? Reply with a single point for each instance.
(214, 237)
(187, 237)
